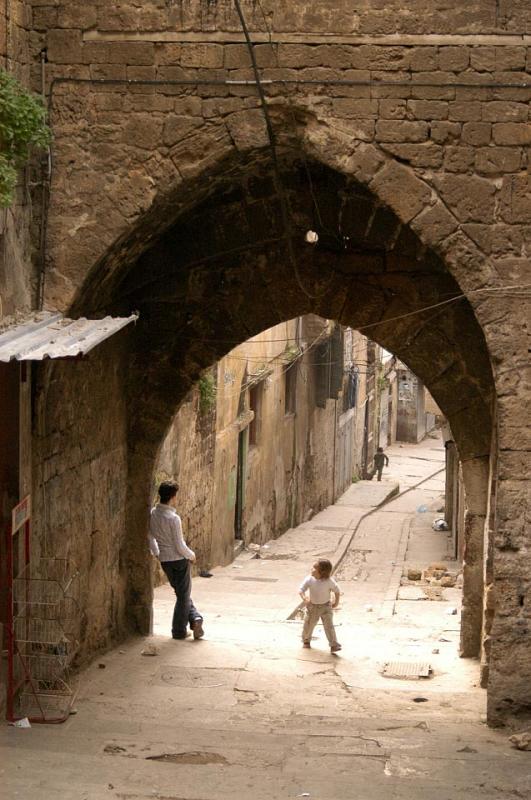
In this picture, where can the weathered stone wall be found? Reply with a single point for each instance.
(367, 17)
(430, 136)
(80, 487)
(17, 288)
(291, 472)
(17, 277)
(187, 457)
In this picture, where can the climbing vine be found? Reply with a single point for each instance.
(22, 127)
(207, 393)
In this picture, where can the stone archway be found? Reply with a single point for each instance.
(406, 250)
(222, 272)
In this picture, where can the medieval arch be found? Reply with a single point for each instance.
(212, 262)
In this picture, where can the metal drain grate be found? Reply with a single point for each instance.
(407, 670)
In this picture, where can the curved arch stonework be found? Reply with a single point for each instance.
(163, 198)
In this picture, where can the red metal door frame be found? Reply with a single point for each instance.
(20, 519)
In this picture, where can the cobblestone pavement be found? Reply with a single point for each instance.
(247, 713)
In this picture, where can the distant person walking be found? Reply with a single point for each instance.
(167, 544)
(379, 460)
(315, 591)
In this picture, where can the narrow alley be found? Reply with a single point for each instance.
(247, 713)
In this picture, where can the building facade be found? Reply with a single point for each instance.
(270, 435)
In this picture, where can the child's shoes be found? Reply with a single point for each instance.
(335, 648)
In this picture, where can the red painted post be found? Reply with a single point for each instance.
(10, 634)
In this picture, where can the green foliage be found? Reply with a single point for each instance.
(383, 383)
(291, 352)
(22, 126)
(207, 393)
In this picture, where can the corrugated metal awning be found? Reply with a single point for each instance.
(48, 335)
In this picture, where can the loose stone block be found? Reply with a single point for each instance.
(248, 129)
(476, 133)
(401, 131)
(134, 53)
(64, 46)
(509, 58)
(422, 59)
(453, 59)
(498, 159)
(392, 109)
(45, 18)
(483, 59)
(458, 159)
(428, 109)
(355, 109)
(515, 199)
(167, 54)
(425, 154)
(505, 111)
(444, 132)
(464, 112)
(142, 130)
(206, 56)
(177, 128)
(397, 186)
(511, 133)
(470, 197)
(435, 224)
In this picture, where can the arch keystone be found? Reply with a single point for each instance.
(248, 129)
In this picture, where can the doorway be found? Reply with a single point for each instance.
(240, 486)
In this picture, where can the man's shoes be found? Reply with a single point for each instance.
(335, 648)
(197, 629)
(181, 636)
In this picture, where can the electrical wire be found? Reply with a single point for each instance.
(517, 291)
(359, 346)
(445, 302)
(279, 185)
(322, 335)
(300, 365)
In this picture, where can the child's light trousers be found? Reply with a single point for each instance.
(314, 613)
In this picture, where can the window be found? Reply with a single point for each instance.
(350, 391)
(255, 404)
(290, 388)
(328, 362)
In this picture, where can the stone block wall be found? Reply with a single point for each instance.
(431, 119)
(187, 456)
(80, 485)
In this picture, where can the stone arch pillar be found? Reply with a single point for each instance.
(476, 482)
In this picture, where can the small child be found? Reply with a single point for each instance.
(319, 586)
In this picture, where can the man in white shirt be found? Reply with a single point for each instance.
(167, 543)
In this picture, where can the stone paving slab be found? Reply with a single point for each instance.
(368, 494)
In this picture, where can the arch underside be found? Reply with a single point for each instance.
(237, 262)
(227, 260)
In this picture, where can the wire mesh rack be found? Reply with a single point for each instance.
(45, 605)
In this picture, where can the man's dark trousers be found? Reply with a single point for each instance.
(184, 613)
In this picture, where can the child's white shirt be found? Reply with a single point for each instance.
(319, 589)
